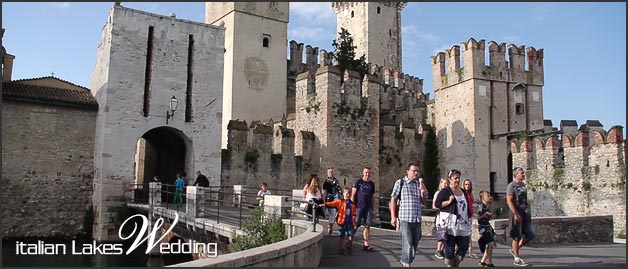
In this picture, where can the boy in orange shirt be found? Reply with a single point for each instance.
(345, 220)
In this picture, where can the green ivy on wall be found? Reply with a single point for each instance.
(312, 104)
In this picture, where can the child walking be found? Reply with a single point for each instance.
(486, 241)
(345, 220)
(440, 245)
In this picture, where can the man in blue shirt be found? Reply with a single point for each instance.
(411, 196)
(362, 193)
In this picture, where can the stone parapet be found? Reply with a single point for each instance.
(303, 248)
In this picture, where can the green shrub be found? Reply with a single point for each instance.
(558, 173)
(261, 229)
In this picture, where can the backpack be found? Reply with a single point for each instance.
(396, 207)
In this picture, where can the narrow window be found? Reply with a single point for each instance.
(351, 13)
(519, 108)
(265, 40)
(147, 71)
(379, 10)
(188, 88)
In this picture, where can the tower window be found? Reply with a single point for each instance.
(266, 40)
(351, 13)
(519, 108)
(379, 10)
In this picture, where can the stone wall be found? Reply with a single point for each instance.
(47, 168)
(263, 154)
(554, 230)
(571, 177)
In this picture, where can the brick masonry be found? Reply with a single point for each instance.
(47, 168)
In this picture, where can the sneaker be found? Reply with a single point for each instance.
(490, 265)
(520, 262)
(439, 255)
(341, 251)
(512, 252)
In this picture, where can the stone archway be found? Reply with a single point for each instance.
(160, 152)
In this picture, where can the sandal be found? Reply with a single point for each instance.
(473, 255)
(367, 248)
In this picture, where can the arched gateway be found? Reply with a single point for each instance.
(158, 82)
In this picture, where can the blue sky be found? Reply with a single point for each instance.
(584, 43)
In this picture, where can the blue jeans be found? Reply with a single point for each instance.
(450, 248)
(410, 233)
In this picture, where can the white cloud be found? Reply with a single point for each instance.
(442, 48)
(61, 4)
(316, 12)
(537, 16)
(511, 39)
(307, 34)
(411, 33)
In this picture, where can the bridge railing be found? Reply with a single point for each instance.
(223, 204)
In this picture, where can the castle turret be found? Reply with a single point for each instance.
(255, 58)
(375, 28)
(482, 106)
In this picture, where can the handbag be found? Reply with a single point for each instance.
(441, 233)
(303, 206)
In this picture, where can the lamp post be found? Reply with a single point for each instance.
(172, 104)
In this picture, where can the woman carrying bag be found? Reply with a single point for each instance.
(455, 214)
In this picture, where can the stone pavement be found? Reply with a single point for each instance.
(386, 244)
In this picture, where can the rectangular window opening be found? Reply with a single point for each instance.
(189, 82)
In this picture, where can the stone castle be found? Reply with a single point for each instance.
(248, 113)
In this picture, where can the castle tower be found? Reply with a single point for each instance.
(479, 108)
(143, 60)
(255, 78)
(375, 28)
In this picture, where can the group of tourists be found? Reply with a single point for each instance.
(348, 207)
(353, 207)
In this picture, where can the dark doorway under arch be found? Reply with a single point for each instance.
(160, 152)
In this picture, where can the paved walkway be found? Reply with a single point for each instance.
(388, 253)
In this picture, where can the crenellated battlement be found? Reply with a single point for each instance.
(589, 146)
(397, 95)
(339, 7)
(314, 58)
(524, 65)
(259, 153)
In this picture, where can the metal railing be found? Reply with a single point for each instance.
(311, 216)
(223, 205)
(219, 203)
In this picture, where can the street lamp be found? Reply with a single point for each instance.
(172, 104)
